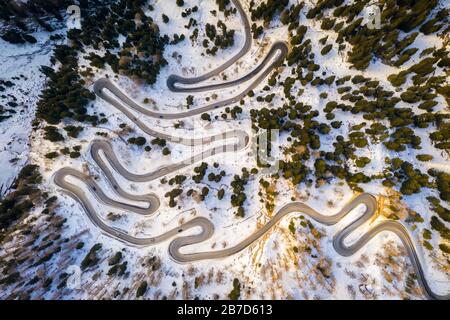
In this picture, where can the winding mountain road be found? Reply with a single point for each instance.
(172, 80)
(111, 93)
(104, 156)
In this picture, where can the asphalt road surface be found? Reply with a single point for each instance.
(172, 80)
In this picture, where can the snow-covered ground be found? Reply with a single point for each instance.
(22, 62)
(289, 275)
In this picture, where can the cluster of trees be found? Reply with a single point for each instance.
(291, 16)
(6, 113)
(116, 267)
(238, 197)
(178, 179)
(15, 11)
(16, 37)
(436, 206)
(221, 40)
(222, 4)
(267, 10)
(412, 180)
(322, 5)
(212, 177)
(159, 142)
(401, 138)
(142, 53)
(236, 292)
(172, 195)
(306, 137)
(367, 43)
(300, 53)
(186, 13)
(139, 141)
(25, 195)
(176, 192)
(75, 153)
(73, 131)
(383, 106)
(51, 133)
(442, 184)
(91, 259)
(205, 116)
(68, 98)
(142, 289)
(294, 170)
(139, 56)
(440, 137)
(200, 172)
(19, 18)
(5, 84)
(233, 112)
(422, 69)
(439, 225)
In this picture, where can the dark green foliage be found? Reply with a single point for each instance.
(18, 203)
(444, 248)
(65, 96)
(322, 5)
(172, 195)
(426, 234)
(267, 10)
(436, 206)
(158, 141)
(205, 116)
(412, 179)
(189, 101)
(441, 137)
(424, 157)
(221, 40)
(52, 155)
(178, 179)
(236, 292)
(115, 259)
(166, 151)
(220, 194)
(440, 227)
(200, 172)
(141, 54)
(73, 131)
(326, 49)
(257, 31)
(52, 134)
(384, 42)
(17, 37)
(402, 137)
(222, 4)
(434, 25)
(75, 154)
(139, 141)
(358, 139)
(442, 183)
